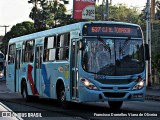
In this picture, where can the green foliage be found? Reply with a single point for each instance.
(156, 61)
(17, 30)
(157, 15)
(39, 14)
(47, 14)
(120, 12)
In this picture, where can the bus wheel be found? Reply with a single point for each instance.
(62, 98)
(24, 92)
(115, 105)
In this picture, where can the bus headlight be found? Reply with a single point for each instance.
(139, 85)
(88, 84)
(1, 74)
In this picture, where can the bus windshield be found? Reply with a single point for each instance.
(113, 56)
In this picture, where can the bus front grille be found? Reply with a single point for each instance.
(114, 95)
(115, 81)
(119, 88)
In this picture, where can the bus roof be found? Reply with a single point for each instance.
(63, 29)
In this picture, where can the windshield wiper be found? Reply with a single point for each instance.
(106, 46)
(124, 45)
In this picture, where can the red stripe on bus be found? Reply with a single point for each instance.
(30, 79)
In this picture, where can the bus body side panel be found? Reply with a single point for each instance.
(51, 73)
(46, 72)
(27, 71)
(39, 82)
(10, 76)
(17, 81)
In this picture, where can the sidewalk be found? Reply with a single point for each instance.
(153, 92)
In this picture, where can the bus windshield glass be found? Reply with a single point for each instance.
(113, 56)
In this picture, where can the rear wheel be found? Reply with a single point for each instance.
(115, 105)
(24, 92)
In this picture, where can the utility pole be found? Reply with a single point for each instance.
(152, 11)
(148, 41)
(5, 26)
(105, 15)
(107, 10)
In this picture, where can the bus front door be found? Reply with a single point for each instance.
(38, 62)
(17, 71)
(74, 68)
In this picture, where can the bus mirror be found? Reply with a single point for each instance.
(81, 47)
(146, 51)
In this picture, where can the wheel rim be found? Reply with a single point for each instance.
(24, 94)
(62, 96)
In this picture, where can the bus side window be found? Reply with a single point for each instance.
(49, 50)
(29, 51)
(11, 54)
(62, 51)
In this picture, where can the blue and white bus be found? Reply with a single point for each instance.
(2, 67)
(81, 62)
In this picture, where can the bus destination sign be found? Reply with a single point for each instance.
(112, 30)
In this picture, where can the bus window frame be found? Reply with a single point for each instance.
(64, 47)
(31, 51)
(10, 60)
(46, 50)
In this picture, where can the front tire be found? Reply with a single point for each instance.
(115, 105)
(61, 96)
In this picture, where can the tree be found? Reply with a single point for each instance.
(157, 15)
(17, 30)
(48, 13)
(39, 14)
(120, 12)
(57, 12)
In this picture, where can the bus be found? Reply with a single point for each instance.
(81, 62)
(2, 67)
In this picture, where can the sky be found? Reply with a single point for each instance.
(17, 11)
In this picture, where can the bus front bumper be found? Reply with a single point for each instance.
(86, 95)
